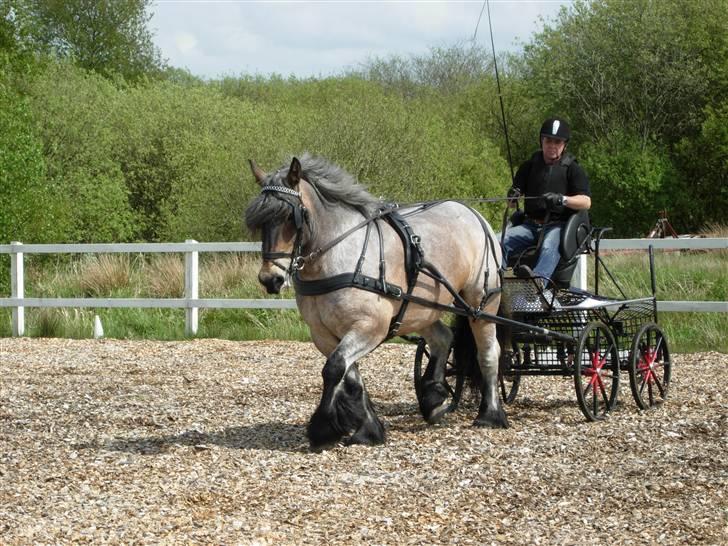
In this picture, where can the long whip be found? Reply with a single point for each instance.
(503, 114)
(500, 95)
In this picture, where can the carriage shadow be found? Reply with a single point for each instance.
(274, 436)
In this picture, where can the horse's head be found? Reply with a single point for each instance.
(279, 214)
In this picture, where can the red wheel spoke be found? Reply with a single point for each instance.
(586, 389)
(597, 371)
(649, 366)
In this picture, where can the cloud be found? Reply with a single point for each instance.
(318, 38)
(185, 42)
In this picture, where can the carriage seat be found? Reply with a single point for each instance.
(575, 238)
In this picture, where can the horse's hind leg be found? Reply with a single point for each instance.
(434, 399)
(490, 413)
(345, 405)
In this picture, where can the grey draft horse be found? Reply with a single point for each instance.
(315, 221)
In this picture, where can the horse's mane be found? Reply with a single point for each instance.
(333, 185)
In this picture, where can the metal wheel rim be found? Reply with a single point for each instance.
(649, 367)
(596, 380)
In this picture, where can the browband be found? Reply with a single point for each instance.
(280, 189)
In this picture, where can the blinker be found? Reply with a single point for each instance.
(299, 213)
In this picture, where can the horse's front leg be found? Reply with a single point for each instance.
(490, 413)
(345, 405)
(435, 398)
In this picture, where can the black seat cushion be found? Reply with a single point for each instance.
(574, 240)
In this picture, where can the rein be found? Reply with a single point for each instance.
(381, 213)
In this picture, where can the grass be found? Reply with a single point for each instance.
(685, 275)
(159, 276)
(679, 276)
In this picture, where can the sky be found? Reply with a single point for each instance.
(319, 38)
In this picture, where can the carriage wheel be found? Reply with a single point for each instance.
(509, 379)
(649, 367)
(453, 380)
(596, 371)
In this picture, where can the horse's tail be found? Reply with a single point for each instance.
(465, 352)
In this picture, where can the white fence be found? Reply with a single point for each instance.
(192, 303)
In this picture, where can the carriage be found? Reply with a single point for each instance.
(366, 270)
(568, 332)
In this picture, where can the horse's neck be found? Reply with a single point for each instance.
(332, 222)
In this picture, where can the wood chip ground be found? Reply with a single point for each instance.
(203, 442)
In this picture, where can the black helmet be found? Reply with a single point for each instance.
(556, 128)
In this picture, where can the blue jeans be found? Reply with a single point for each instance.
(526, 235)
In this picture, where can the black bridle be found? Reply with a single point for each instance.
(300, 220)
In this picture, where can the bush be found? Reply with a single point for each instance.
(30, 211)
(78, 140)
(630, 184)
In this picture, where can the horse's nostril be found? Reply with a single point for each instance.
(271, 283)
(279, 282)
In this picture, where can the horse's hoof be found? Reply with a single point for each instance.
(321, 434)
(492, 419)
(370, 433)
(364, 439)
(434, 402)
(436, 414)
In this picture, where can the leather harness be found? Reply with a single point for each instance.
(414, 261)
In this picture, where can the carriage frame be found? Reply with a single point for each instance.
(572, 333)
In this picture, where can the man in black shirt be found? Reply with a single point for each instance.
(563, 188)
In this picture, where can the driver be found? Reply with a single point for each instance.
(553, 175)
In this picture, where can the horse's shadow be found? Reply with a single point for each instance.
(271, 436)
(276, 436)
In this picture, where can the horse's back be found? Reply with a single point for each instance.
(455, 237)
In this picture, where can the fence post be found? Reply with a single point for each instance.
(578, 279)
(17, 288)
(191, 290)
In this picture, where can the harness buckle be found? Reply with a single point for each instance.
(297, 263)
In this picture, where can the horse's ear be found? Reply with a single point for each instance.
(294, 173)
(257, 172)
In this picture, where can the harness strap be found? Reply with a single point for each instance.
(413, 258)
(414, 261)
(319, 287)
(381, 213)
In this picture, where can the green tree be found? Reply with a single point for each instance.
(630, 183)
(445, 70)
(644, 73)
(106, 36)
(703, 160)
(31, 209)
(645, 65)
(78, 142)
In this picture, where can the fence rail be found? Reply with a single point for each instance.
(192, 303)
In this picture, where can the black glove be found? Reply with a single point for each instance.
(553, 200)
(513, 194)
